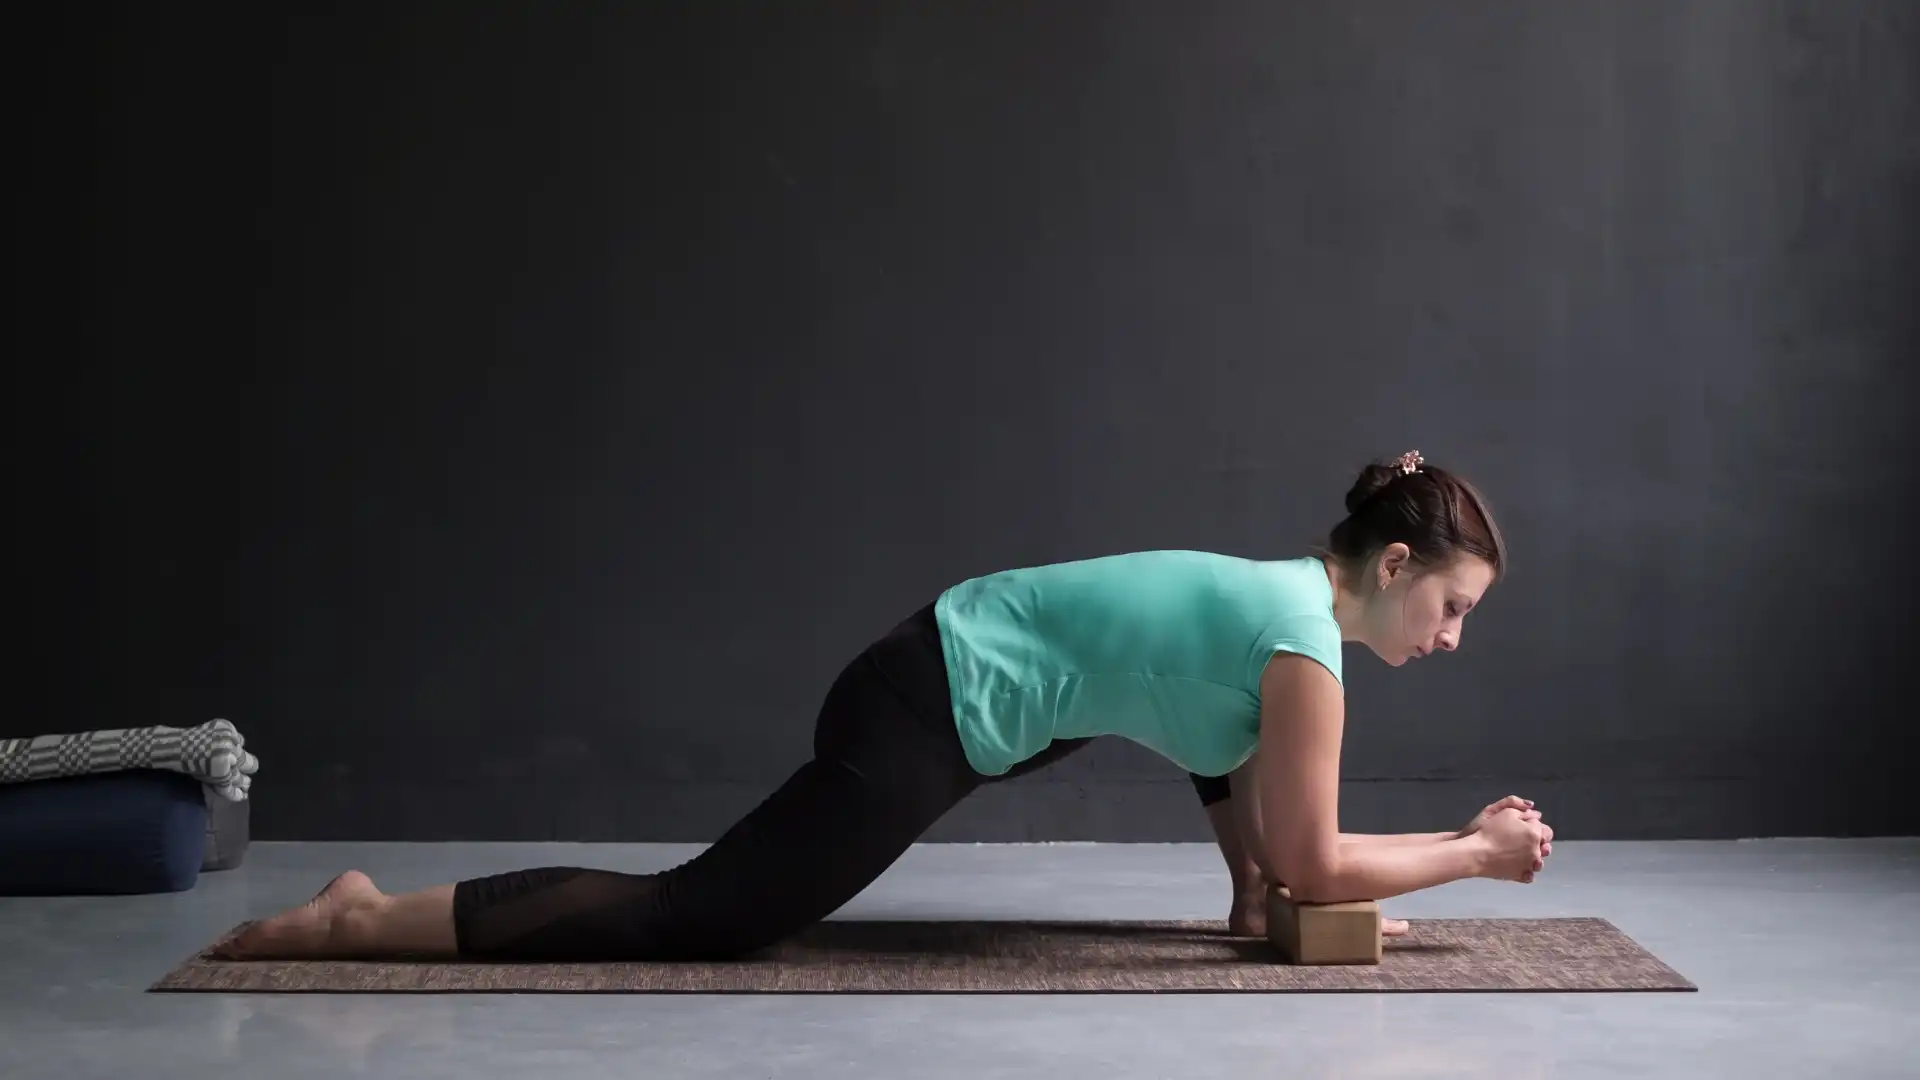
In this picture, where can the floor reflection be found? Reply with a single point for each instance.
(348, 1029)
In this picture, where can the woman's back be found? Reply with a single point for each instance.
(1161, 647)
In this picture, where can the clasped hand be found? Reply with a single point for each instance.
(1518, 841)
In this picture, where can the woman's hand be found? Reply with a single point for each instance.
(1480, 819)
(1514, 844)
(1525, 806)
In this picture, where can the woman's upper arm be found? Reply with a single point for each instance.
(1302, 714)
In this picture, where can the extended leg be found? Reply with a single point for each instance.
(883, 771)
(813, 845)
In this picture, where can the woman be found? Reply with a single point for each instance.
(1229, 667)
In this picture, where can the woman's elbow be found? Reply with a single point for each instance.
(1314, 879)
(1319, 888)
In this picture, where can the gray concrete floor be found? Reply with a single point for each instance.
(1806, 953)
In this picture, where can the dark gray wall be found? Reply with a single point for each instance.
(512, 415)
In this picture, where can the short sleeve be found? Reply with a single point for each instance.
(1315, 637)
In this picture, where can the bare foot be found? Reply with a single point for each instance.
(1248, 917)
(305, 931)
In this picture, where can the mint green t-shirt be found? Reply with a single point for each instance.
(1164, 648)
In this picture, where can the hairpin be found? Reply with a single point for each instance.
(1410, 462)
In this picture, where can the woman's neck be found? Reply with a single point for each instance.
(1348, 609)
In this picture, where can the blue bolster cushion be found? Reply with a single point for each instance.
(116, 833)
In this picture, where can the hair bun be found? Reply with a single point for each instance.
(1372, 479)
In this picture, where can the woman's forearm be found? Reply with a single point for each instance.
(1397, 838)
(1368, 871)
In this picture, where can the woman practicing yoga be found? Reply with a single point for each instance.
(1229, 667)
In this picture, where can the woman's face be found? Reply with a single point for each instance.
(1416, 612)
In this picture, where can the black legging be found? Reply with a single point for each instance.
(887, 763)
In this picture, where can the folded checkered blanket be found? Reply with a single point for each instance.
(213, 753)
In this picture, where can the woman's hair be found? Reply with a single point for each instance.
(1436, 514)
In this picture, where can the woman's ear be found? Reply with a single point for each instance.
(1393, 562)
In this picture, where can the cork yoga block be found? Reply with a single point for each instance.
(1347, 933)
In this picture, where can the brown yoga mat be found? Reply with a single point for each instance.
(905, 957)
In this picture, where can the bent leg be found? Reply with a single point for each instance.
(1247, 916)
(1216, 797)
